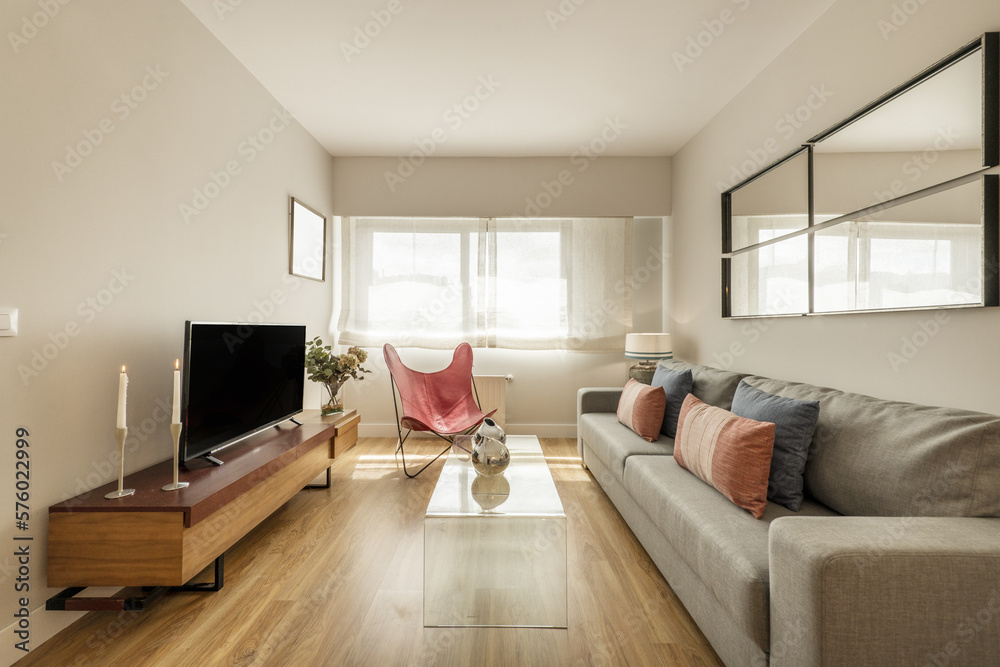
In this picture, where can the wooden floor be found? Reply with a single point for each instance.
(334, 577)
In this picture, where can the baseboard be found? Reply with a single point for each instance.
(367, 430)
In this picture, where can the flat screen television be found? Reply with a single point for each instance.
(238, 380)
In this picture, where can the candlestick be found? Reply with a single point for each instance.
(175, 431)
(122, 392)
(176, 416)
(121, 433)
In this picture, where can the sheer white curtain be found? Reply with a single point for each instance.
(511, 283)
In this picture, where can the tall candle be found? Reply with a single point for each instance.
(122, 391)
(176, 417)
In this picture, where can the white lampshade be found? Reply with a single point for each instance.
(648, 346)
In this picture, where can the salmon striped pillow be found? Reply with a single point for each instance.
(731, 453)
(641, 409)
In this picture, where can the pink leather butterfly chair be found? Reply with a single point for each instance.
(442, 403)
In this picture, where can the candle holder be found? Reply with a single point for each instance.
(175, 431)
(120, 434)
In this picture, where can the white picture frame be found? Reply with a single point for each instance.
(307, 245)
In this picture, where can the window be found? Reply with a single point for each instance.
(509, 282)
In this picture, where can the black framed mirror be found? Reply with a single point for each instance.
(773, 279)
(901, 208)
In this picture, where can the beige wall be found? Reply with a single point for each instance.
(105, 252)
(542, 397)
(498, 187)
(855, 52)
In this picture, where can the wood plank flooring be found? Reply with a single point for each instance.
(334, 577)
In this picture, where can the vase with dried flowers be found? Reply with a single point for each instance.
(333, 371)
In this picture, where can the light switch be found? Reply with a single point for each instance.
(8, 321)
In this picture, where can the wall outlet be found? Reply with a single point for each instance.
(8, 321)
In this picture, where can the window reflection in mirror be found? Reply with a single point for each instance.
(927, 135)
(777, 200)
(926, 253)
(773, 280)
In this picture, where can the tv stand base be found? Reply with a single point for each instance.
(211, 459)
(66, 600)
(156, 539)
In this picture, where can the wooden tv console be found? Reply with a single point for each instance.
(165, 538)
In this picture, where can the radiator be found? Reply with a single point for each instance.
(493, 395)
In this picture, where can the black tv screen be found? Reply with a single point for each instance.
(238, 379)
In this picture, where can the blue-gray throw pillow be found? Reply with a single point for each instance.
(795, 422)
(677, 385)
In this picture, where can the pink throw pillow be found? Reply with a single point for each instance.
(731, 453)
(641, 409)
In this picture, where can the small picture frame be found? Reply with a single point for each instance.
(308, 241)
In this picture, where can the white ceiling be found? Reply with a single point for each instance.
(563, 69)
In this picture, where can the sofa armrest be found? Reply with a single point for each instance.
(884, 591)
(594, 399)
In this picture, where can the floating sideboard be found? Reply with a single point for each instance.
(165, 538)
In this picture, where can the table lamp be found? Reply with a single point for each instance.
(648, 348)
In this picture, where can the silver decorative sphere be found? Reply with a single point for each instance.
(490, 457)
(489, 429)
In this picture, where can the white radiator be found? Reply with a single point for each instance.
(492, 391)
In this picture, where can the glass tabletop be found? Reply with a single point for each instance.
(524, 489)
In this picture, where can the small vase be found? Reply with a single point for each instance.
(489, 429)
(490, 457)
(329, 401)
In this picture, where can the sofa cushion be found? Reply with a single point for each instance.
(731, 453)
(710, 385)
(641, 409)
(676, 385)
(872, 457)
(795, 423)
(725, 546)
(613, 443)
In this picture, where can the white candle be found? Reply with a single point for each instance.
(176, 418)
(122, 391)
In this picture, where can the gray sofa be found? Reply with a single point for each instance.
(893, 558)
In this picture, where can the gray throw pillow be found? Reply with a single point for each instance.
(795, 422)
(677, 385)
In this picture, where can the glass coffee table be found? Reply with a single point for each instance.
(495, 547)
